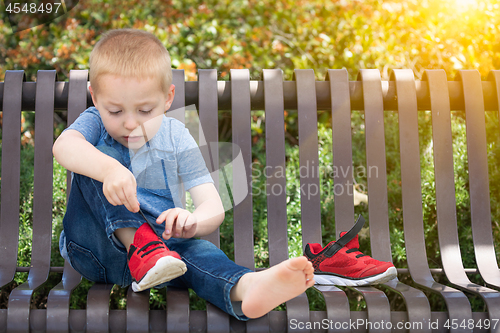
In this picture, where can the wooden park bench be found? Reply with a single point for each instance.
(304, 94)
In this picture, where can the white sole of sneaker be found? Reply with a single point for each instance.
(165, 269)
(334, 280)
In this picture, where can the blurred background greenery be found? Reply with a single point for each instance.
(285, 34)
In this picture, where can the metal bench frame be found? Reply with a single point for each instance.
(272, 94)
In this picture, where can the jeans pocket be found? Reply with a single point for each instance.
(86, 263)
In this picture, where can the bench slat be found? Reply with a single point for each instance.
(276, 184)
(444, 176)
(58, 301)
(376, 168)
(337, 306)
(410, 176)
(177, 314)
(217, 321)
(177, 108)
(416, 302)
(494, 77)
(378, 306)
(242, 136)
(457, 303)
(336, 301)
(42, 182)
(275, 165)
(243, 211)
(309, 183)
(342, 151)
(341, 148)
(478, 178)
(445, 194)
(98, 308)
(20, 298)
(137, 311)
(310, 199)
(261, 324)
(209, 129)
(59, 297)
(275, 159)
(11, 171)
(77, 96)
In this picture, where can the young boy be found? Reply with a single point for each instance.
(128, 158)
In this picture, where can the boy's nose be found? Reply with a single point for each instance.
(131, 123)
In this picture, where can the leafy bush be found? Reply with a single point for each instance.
(272, 34)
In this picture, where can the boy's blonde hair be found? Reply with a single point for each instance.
(133, 54)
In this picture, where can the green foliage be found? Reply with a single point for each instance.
(26, 206)
(286, 34)
(26, 209)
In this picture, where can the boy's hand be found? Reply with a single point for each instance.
(120, 188)
(179, 223)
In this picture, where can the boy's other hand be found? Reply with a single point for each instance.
(120, 188)
(179, 223)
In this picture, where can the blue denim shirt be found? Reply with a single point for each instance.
(166, 166)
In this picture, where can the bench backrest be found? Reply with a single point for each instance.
(274, 95)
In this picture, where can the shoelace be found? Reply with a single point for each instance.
(355, 249)
(161, 245)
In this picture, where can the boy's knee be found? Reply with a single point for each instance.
(111, 152)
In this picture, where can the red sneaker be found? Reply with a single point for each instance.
(150, 261)
(344, 265)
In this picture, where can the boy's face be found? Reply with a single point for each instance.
(131, 109)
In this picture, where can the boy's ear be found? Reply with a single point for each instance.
(92, 94)
(170, 97)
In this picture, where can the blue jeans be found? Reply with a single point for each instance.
(89, 244)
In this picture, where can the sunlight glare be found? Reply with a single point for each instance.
(464, 5)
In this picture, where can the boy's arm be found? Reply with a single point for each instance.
(206, 218)
(209, 211)
(76, 154)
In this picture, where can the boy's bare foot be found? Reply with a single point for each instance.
(260, 292)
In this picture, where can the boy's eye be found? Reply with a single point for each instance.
(146, 111)
(115, 112)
